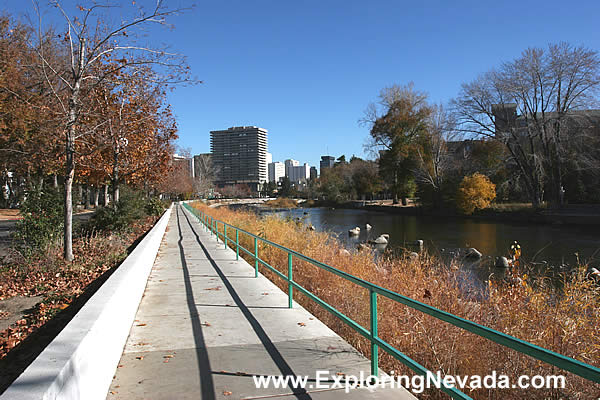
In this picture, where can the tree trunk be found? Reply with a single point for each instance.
(96, 196)
(79, 195)
(55, 183)
(106, 199)
(41, 183)
(70, 168)
(115, 179)
(88, 194)
(70, 174)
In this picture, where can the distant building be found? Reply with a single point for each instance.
(276, 171)
(185, 163)
(313, 173)
(289, 164)
(299, 173)
(240, 156)
(327, 162)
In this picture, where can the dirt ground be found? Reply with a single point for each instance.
(13, 309)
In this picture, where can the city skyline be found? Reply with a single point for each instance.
(309, 70)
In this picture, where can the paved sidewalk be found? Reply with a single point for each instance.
(205, 326)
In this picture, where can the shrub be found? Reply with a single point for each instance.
(475, 192)
(154, 206)
(42, 222)
(130, 207)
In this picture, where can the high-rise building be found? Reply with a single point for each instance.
(327, 162)
(240, 156)
(313, 173)
(299, 173)
(276, 171)
(289, 164)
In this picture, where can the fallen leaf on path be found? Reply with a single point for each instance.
(214, 288)
(169, 356)
(141, 325)
(205, 324)
(140, 357)
(301, 324)
(226, 393)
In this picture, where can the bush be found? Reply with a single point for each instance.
(42, 222)
(132, 205)
(475, 192)
(155, 206)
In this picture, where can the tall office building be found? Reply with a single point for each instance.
(276, 171)
(240, 156)
(289, 164)
(313, 173)
(299, 173)
(327, 162)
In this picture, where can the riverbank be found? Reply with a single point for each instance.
(569, 325)
(568, 215)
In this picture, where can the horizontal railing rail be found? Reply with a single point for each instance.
(582, 369)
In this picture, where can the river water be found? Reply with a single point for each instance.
(551, 247)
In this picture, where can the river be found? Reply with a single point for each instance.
(551, 247)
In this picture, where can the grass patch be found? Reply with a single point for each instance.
(282, 202)
(566, 322)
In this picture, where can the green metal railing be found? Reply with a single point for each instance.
(584, 370)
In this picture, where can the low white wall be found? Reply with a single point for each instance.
(81, 361)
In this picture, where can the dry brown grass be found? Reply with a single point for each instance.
(282, 202)
(568, 323)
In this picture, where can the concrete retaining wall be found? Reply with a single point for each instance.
(81, 361)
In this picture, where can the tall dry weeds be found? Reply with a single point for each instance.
(567, 323)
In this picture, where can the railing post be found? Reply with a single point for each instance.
(237, 244)
(217, 230)
(290, 280)
(225, 234)
(374, 346)
(255, 257)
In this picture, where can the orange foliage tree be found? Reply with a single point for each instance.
(475, 192)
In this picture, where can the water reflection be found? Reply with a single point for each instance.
(548, 245)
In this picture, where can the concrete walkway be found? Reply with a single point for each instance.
(206, 326)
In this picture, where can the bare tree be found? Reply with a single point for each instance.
(432, 153)
(97, 51)
(205, 174)
(534, 106)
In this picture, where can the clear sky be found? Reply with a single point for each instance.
(306, 70)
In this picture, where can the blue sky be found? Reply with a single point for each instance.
(306, 70)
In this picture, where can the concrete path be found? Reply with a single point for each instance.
(206, 326)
